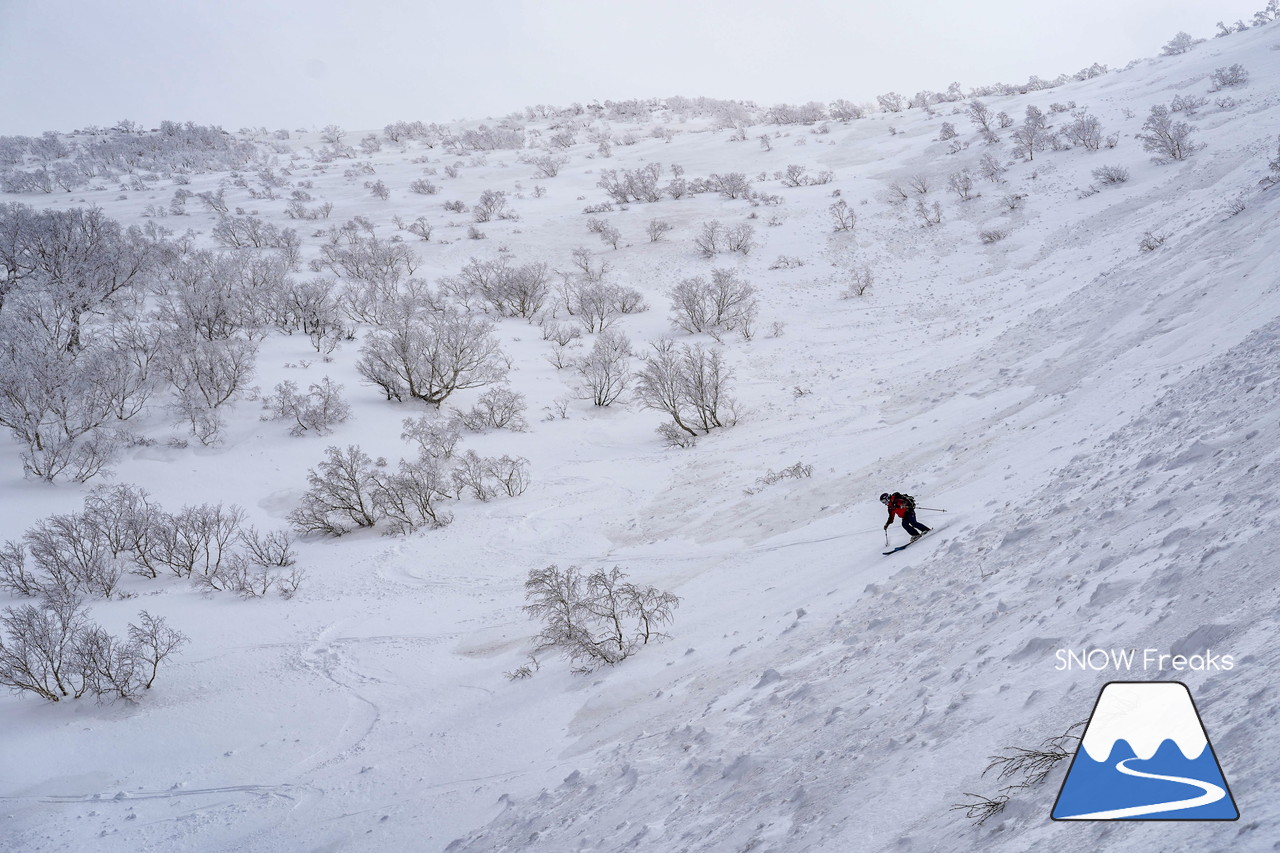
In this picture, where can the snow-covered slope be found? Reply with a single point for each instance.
(1100, 424)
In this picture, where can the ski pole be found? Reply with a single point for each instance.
(931, 509)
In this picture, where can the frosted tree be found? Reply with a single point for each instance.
(1166, 138)
(1084, 130)
(598, 618)
(604, 372)
(1033, 135)
(891, 102)
(342, 494)
(690, 384)
(1179, 44)
(428, 358)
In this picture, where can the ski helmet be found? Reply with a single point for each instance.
(884, 498)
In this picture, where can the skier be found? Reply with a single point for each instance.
(903, 506)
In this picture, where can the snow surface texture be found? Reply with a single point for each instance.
(1101, 424)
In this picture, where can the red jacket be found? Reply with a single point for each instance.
(898, 506)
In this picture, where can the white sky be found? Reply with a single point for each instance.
(66, 64)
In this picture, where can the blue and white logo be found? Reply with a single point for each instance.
(1145, 756)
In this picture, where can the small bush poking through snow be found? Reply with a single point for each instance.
(595, 619)
(1151, 241)
(1111, 174)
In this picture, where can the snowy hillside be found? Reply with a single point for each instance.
(1082, 374)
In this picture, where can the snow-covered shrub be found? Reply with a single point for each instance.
(471, 476)
(507, 289)
(57, 403)
(1228, 77)
(786, 262)
(992, 235)
(429, 357)
(730, 184)
(497, 408)
(273, 549)
(436, 437)
(1189, 104)
(861, 280)
(715, 238)
(316, 411)
(1111, 174)
(342, 495)
(981, 115)
(595, 305)
(422, 186)
(709, 240)
(362, 257)
(195, 539)
(1274, 165)
(1179, 44)
(1084, 130)
(546, 165)
(604, 371)
(1033, 135)
(723, 304)
(1166, 138)
(627, 185)
(411, 497)
(842, 216)
(845, 111)
(609, 235)
(961, 183)
(492, 205)
(55, 652)
(657, 229)
(595, 619)
(15, 575)
(891, 102)
(71, 555)
(205, 375)
(251, 232)
(508, 474)
(1151, 241)
(929, 215)
(798, 471)
(690, 384)
(991, 168)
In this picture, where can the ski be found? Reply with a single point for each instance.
(908, 545)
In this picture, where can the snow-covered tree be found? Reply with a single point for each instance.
(1166, 138)
(342, 494)
(595, 619)
(1179, 44)
(690, 384)
(429, 357)
(604, 371)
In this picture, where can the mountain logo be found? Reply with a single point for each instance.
(1145, 756)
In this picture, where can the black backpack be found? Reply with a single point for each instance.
(911, 502)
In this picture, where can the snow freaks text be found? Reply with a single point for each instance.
(1149, 660)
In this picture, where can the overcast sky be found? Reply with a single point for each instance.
(66, 64)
